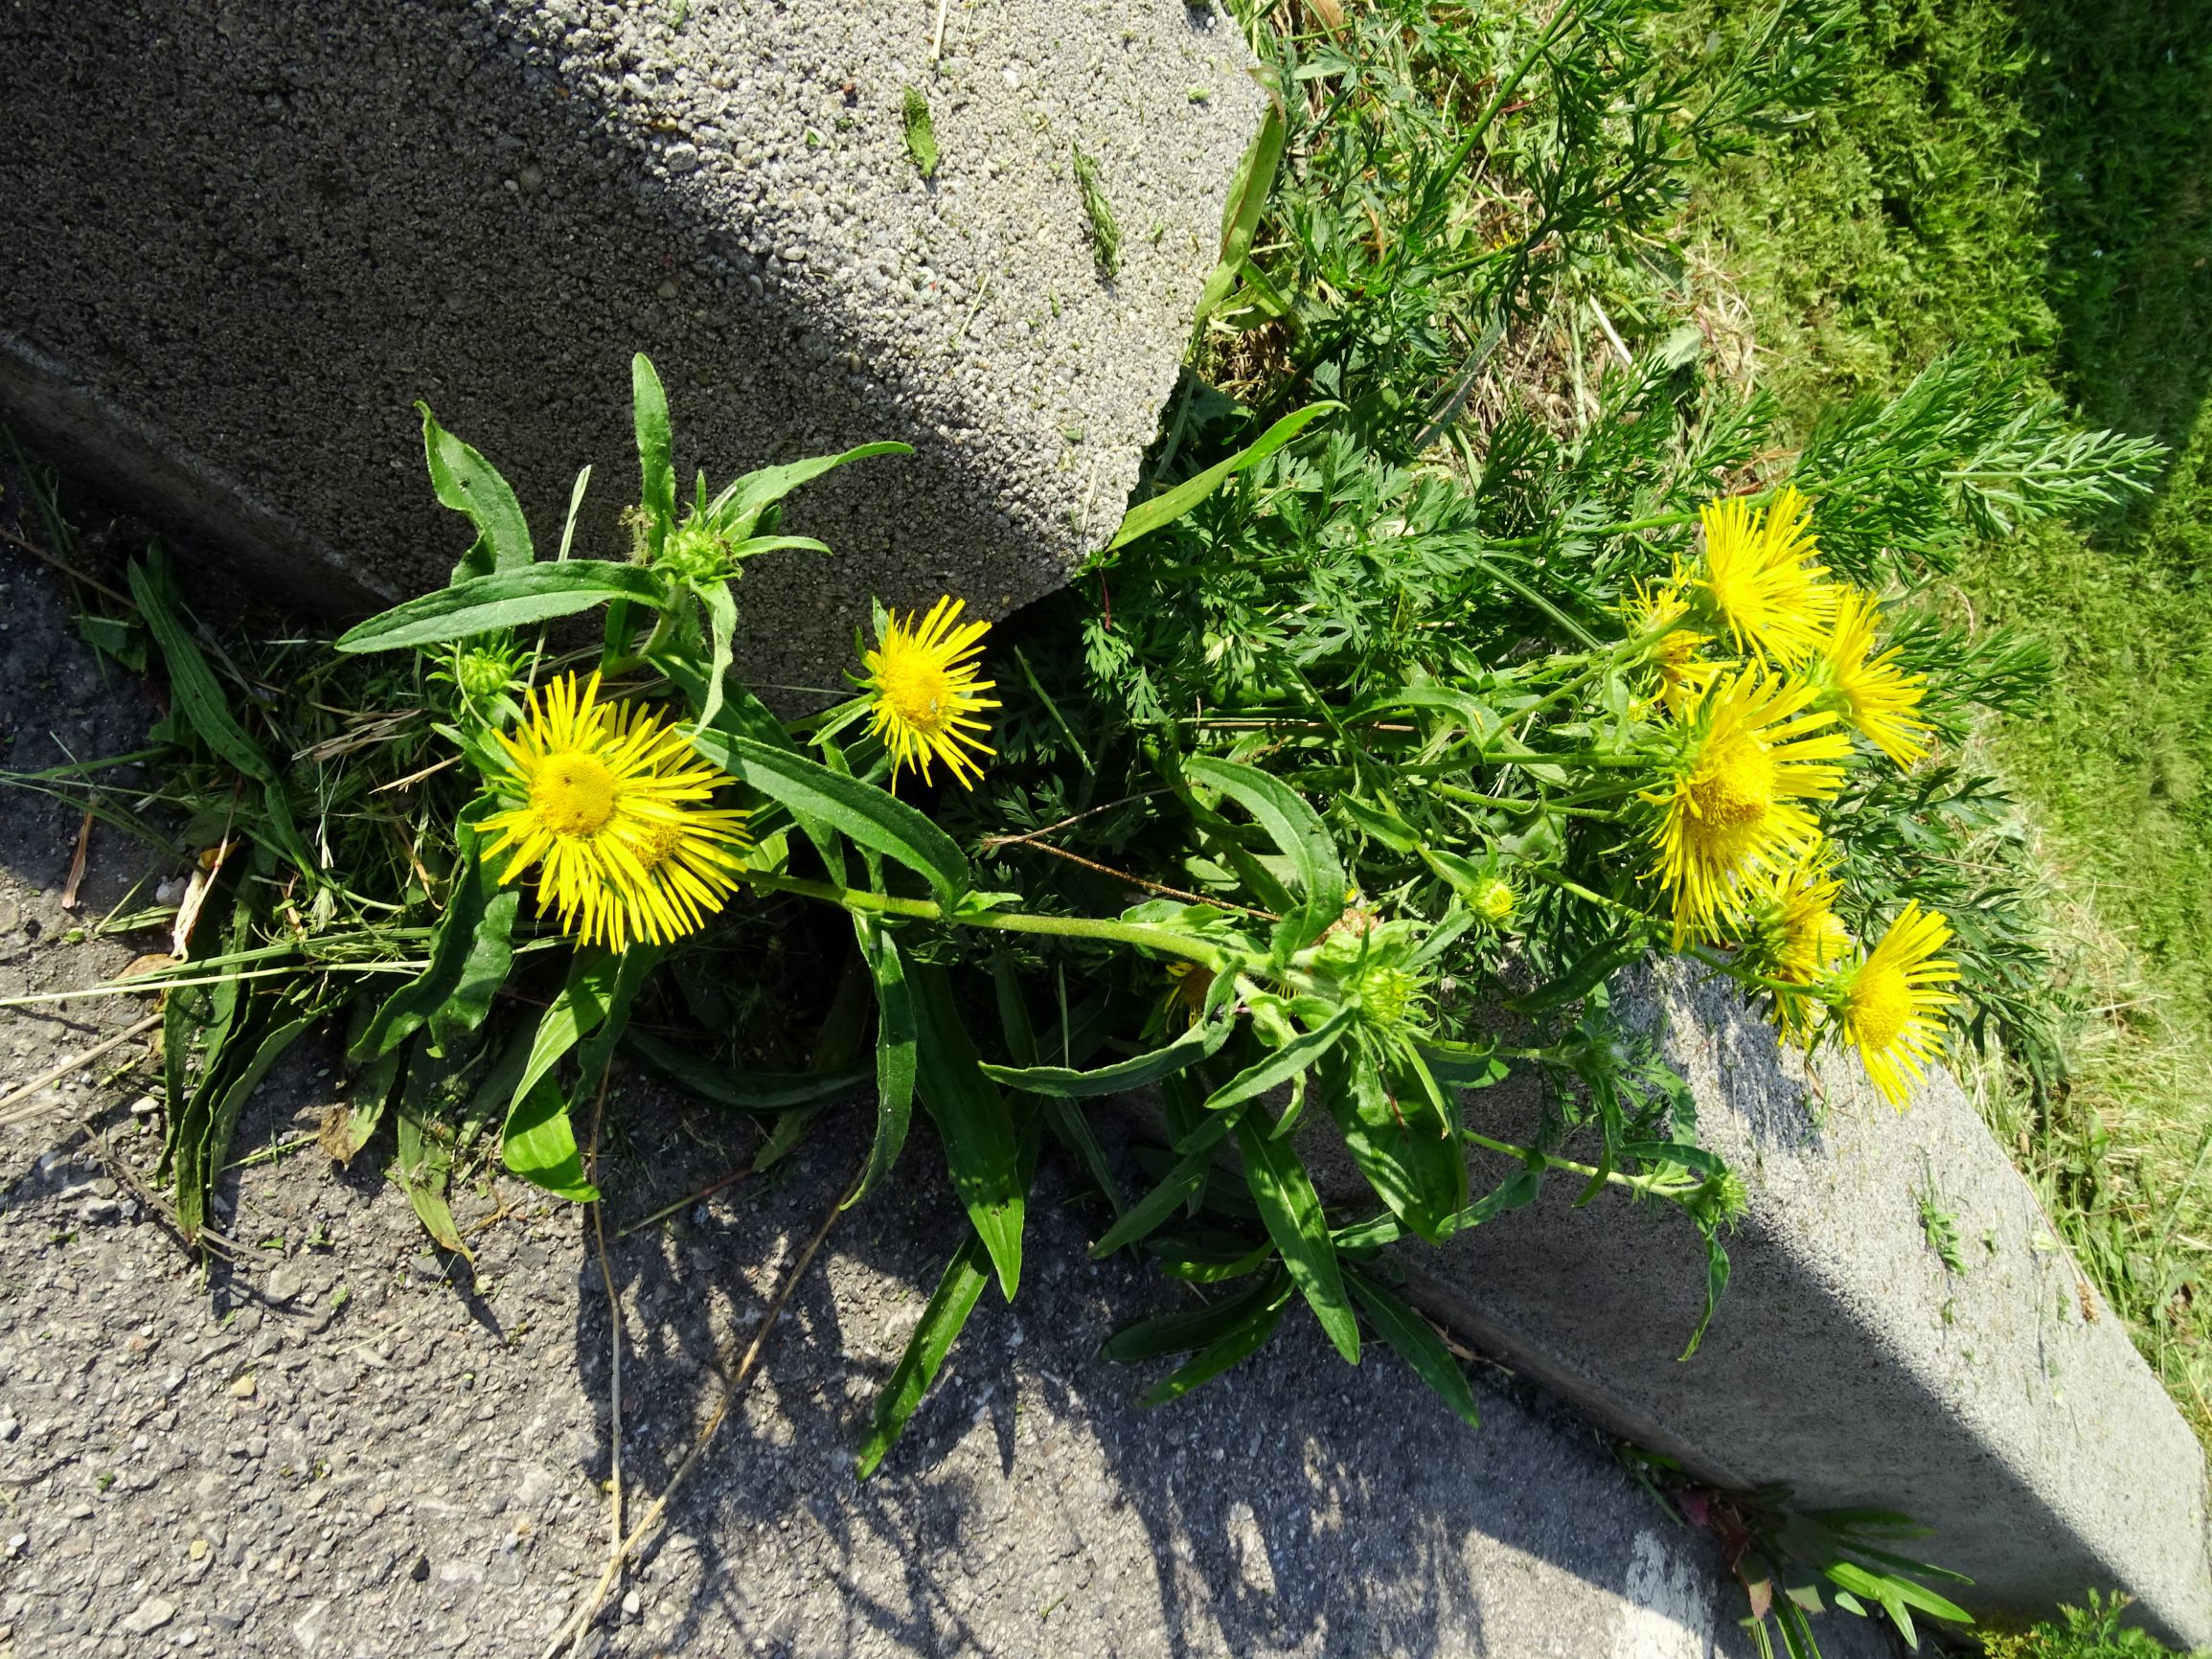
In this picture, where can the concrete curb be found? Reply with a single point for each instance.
(2004, 1406)
(244, 242)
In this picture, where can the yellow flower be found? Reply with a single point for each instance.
(1874, 696)
(612, 815)
(1189, 984)
(926, 692)
(1751, 752)
(1792, 935)
(1757, 578)
(1674, 656)
(1888, 1005)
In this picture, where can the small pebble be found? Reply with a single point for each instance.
(244, 1388)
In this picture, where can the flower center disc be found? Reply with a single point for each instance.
(1880, 1003)
(1737, 790)
(918, 694)
(574, 794)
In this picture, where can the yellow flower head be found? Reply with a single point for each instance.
(1889, 1005)
(923, 675)
(1878, 699)
(1757, 578)
(1675, 657)
(612, 814)
(1792, 935)
(1751, 753)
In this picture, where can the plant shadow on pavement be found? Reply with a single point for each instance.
(1298, 1506)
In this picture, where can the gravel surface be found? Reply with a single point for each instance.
(247, 239)
(344, 1443)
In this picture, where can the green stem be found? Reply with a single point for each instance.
(1613, 1177)
(863, 903)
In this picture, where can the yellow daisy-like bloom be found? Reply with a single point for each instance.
(1889, 1005)
(1752, 752)
(1757, 578)
(927, 694)
(612, 815)
(1675, 657)
(1793, 935)
(1879, 700)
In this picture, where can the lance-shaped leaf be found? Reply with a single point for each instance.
(741, 502)
(538, 1143)
(1401, 1138)
(745, 1091)
(861, 811)
(1290, 1209)
(972, 1119)
(897, 1053)
(655, 451)
(1280, 1066)
(954, 1299)
(425, 1159)
(196, 1175)
(470, 954)
(1296, 827)
(471, 485)
(1240, 1342)
(505, 599)
(1188, 1329)
(1412, 1339)
(1201, 1042)
(1164, 510)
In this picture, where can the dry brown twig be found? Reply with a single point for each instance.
(578, 1625)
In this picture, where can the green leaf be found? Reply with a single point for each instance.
(470, 954)
(369, 1098)
(1241, 212)
(722, 638)
(503, 599)
(1164, 510)
(1201, 1042)
(1189, 1330)
(861, 811)
(471, 485)
(655, 451)
(1462, 1065)
(743, 501)
(1148, 1213)
(954, 1299)
(1597, 964)
(424, 1160)
(1284, 1063)
(200, 696)
(745, 1091)
(972, 1119)
(896, 1053)
(921, 132)
(222, 1120)
(1716, 1283)
(1294, 827)
(1413, 1341)
(1291, 1212)
(1229, 1348)
(539, 1142)
(1401, 1140)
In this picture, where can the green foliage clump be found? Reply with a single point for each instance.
(2091, 1632)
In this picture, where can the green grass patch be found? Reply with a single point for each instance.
(2032, 179)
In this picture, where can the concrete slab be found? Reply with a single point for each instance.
(2003, 1405)
(239, 242)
